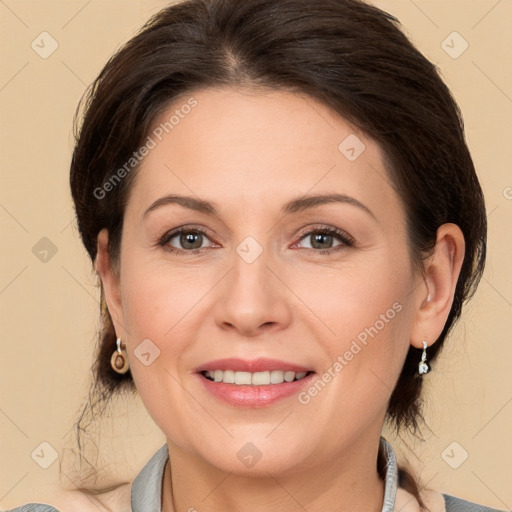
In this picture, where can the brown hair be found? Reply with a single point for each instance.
(347, 54)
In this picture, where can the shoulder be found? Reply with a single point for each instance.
(454, 504)
(117, 500)
(34, 507)
(437, 502)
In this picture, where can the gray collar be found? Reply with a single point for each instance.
(146, 494)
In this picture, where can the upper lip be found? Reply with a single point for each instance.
(252, 366)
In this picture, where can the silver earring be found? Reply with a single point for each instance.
(423, 366)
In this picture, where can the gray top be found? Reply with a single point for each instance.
(146, 493)
(147, 487)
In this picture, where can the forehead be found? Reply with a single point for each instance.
(255, 146)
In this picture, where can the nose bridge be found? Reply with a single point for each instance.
(250, 276)
(252, 296)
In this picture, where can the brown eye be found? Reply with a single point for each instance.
(190, 240)
(321, 241)
(185, 240)
(326, 240)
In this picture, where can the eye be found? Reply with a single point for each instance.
(188, 240)
(321, 240)
(195, 239)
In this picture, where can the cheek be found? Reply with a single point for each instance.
(364, 319)
(353, 320)
(157, 304)
(157, 297)
(153, 302)
(349, 300)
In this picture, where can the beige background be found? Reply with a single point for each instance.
(49, 310)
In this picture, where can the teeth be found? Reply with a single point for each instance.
(260, 378)
(228, 376)
(253, 379)
(289, 376)
(242, 378)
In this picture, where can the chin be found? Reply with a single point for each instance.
(254, 456)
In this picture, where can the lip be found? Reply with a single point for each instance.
(253, 396)
(256, 365)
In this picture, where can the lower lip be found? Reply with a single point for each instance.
(254, 396)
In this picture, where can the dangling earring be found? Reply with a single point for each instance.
(423, 366)
(119, 361)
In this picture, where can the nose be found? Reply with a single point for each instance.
(253, 298)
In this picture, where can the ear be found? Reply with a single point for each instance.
(110, 282)
(434, 298)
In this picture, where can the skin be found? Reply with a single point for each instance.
(249, 152)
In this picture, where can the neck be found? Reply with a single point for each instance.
(349, 481)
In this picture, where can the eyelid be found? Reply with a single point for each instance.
(345, 239)
(168, 235)
(343, 235)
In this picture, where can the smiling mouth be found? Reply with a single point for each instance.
(253, 378)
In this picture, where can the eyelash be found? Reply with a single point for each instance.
(345, 239)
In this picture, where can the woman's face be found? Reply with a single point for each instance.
(265, 277)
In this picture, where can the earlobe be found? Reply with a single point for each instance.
(109, 279)
(435, 298)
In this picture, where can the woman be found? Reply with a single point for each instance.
(285, 218)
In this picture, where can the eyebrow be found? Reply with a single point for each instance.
(295, 205)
